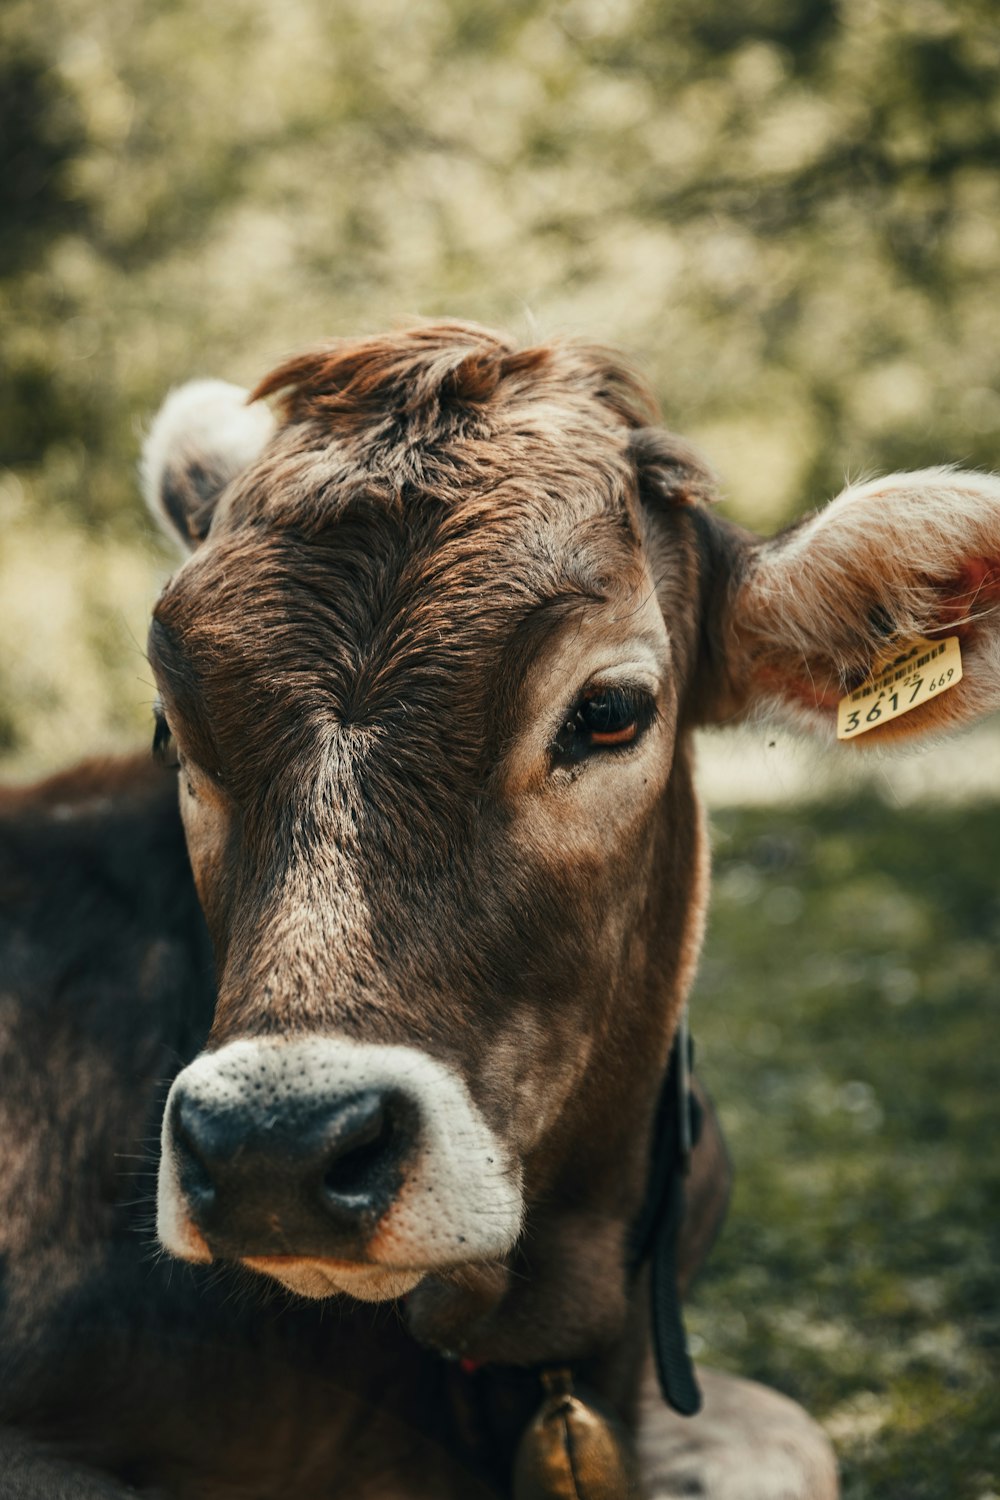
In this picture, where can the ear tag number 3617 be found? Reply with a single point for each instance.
(921, 672)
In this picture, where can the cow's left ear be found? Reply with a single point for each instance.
(807, 618)
(204, 434)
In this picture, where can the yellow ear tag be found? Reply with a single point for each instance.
(921, 672)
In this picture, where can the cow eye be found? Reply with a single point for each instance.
(164, 749)
(606, 719)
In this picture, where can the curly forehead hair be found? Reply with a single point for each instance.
(432, 374)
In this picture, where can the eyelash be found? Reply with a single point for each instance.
(606, 721)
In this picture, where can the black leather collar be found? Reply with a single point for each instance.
(655, 1233)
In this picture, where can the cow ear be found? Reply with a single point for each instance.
(204, 434)
(809, 617)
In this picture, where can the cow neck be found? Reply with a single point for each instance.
(570, 1422)
(654, 1235)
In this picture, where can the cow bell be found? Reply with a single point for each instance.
(571, 1450)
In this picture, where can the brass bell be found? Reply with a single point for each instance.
(571, 1450)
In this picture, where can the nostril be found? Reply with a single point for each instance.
(195, 1173)
(350, 1174)
(363, 1152)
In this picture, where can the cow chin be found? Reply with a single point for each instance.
(317, 1278)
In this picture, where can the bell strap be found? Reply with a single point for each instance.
(656, 1231)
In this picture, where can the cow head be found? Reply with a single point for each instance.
(430, 672)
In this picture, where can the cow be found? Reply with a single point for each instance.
(365, 1022)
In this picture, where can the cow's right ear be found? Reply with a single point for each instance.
(204, 434)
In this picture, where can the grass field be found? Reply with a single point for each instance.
(845, 1022)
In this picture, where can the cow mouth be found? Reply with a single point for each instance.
(319, 1277)
(442, 1302)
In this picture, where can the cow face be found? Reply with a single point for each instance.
(429, 673)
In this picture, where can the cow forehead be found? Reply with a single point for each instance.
(387, 604)
(391, 502)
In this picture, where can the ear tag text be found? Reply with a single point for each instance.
(925, 669)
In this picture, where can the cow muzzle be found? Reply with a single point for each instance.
(316, 1175)
(332, 1165)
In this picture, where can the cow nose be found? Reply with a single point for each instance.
(303, 1177)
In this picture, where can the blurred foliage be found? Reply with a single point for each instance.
(840, 1017)
(787, 209)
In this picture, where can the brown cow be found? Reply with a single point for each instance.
(431, 675)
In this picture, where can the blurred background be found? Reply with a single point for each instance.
(788, 211)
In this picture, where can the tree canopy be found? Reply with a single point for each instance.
(787, 210)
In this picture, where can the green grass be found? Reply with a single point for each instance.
(845, 1024)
